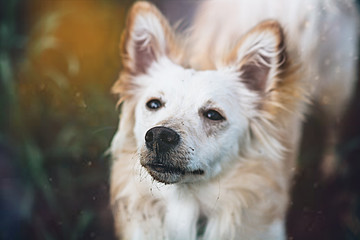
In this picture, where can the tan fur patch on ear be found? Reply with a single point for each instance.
(286, 95)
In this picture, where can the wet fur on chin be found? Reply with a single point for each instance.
(237, 104)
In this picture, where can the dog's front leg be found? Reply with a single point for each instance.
(181, 216)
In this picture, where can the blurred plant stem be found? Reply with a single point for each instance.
(7, 33)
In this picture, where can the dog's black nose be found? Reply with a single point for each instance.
(161, 139)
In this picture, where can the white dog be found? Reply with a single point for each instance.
(211, 122)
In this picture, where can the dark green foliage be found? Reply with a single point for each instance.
(56, 125)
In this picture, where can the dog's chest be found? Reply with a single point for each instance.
(182, 216)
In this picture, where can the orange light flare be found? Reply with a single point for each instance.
(72, 45)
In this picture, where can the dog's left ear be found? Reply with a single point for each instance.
(260, 56)
(147, 37)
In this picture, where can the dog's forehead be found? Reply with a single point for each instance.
(210, 85)
(169, 77)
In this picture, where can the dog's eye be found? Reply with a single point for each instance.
(154, 104)
(213, 115)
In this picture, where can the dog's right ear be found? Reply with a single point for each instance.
(260, 56)
(147, 38)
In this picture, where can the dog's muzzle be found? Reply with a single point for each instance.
(165, 158)
(161, 160)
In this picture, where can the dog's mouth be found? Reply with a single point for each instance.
(169, 174)
(162, 168)
(171, 166)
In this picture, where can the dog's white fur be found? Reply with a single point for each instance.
(259, 76)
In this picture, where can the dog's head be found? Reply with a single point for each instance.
(187, 124)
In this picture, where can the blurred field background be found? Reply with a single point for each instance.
(58, 60)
